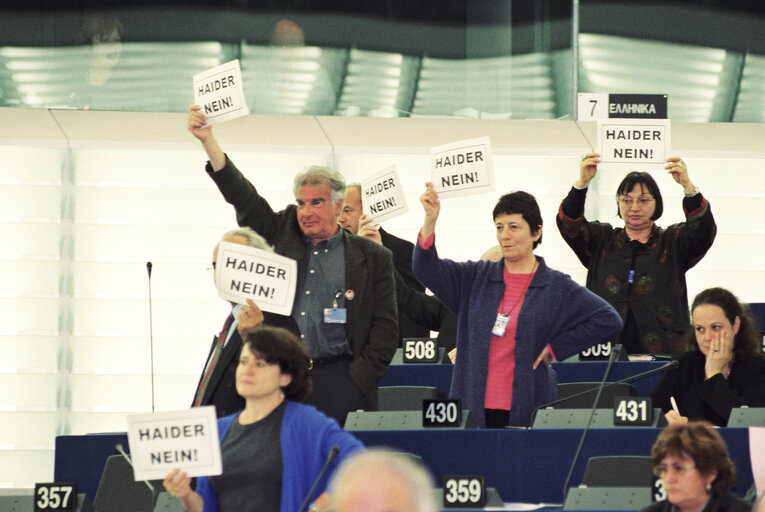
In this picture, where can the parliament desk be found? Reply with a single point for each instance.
(440, 375)
(524, 465)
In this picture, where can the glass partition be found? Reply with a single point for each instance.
(498, 59)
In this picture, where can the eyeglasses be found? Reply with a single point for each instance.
(663, 469)
(211, 269)
(642, 202)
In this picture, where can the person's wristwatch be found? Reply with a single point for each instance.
(693, 192)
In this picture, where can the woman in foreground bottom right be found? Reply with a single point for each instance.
(693, 463)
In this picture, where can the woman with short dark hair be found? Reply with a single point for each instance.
(274, 449)
(640, 269)
(723, 368)
(508, 312)
(693, 464)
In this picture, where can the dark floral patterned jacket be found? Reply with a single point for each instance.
(656, 294)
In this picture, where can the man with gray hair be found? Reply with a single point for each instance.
(217, 384)
(381, 481)
(345, 300)
(350, 217)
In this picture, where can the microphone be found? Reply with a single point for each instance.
(332, 454)
(611, 360)
(121, 451)
(672, 364)
(151, 336)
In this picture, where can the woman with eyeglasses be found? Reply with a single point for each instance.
(693, 464)
(640, 269)
(723, 368)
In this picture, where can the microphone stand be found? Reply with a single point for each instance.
(121, 451)
(589, 422)
(151, 337)
(332, 454)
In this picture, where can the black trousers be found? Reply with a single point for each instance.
(496, 418)
(334, 391)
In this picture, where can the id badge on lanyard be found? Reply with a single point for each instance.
(500, 324)
(335, 315)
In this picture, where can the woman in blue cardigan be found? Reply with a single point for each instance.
(509, 313)
(274, 449)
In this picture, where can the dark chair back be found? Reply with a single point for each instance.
(406, 398)
(618, 471)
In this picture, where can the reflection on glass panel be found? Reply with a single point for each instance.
(292, 79)
(696, 79)
(519, 86)
(750, 107)
(355, 58)
(378, 84)
(114, 76)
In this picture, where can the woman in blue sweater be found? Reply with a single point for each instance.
(275, 448)
(508, 312)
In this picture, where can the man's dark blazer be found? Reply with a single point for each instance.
(402, 261)
(428, 311)
(221, 389)
(372, 324)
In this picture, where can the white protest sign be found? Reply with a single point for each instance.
(243, 272)
(462, 168)
(382, 195)
(629, 143)
(220, 93)
(163, 441)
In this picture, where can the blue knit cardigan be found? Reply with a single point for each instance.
(555, 310)
(307, 436)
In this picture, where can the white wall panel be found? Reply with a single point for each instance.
(27, 466)
(27, 429)
(80, 318)
(38, 354)
(28, 392)
(29, 278)
(34, 241)
(22, 315)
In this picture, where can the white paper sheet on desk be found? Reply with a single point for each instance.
(757, 456)
(526, 506)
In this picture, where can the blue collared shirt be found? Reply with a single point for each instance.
(322, 285)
